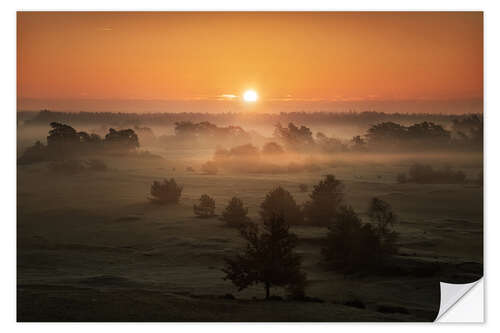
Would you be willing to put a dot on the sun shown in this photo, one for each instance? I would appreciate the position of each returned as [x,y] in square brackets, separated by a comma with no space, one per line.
[250,96]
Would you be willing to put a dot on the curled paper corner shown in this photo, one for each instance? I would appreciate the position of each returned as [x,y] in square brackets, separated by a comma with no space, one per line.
[461,303]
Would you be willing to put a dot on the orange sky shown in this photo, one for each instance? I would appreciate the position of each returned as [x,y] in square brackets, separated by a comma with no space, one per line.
[284,56]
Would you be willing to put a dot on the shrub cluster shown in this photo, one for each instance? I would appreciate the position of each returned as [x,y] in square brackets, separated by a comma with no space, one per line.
[426,174]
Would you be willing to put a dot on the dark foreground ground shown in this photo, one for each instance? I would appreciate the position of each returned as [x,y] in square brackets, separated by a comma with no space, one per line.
[90,247]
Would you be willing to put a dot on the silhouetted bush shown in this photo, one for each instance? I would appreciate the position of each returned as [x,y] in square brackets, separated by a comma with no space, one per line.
[268,257]
[209,168]
[280,201]
[235,214]
[34,154]
[426,174]
[206,207]
[325,199]
[165,192]
[350,244]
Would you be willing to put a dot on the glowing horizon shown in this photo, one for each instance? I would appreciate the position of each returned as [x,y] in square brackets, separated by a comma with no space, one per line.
[287,57]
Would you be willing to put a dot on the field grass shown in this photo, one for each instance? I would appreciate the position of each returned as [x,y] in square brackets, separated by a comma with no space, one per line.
[91,247]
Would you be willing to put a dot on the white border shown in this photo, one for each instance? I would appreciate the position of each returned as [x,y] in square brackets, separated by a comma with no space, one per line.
[8,140]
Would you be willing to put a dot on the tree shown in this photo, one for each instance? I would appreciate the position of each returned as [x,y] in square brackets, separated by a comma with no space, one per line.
[382,216]
[206,208]
[122,139]
[165,192]
[325,199]
[350,244]
[294,137]
[235,214]
[61,134]
[268,258]
[280,201]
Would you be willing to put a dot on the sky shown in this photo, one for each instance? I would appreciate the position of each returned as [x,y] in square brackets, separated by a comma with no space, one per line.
[178,61]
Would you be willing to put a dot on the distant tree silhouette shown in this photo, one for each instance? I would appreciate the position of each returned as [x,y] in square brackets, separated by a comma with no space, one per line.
[206,207]
[469,130]
[235,214]
[350,244]
[358,143]
[383,217]
[268,257]
[329,145]
[326,197]
[390,135]
[426,174]
[294,137]
[271,148]
[62,134]
[205,131]
[36,153]
[122,139]
[280,202]
[165,192]
[210,168]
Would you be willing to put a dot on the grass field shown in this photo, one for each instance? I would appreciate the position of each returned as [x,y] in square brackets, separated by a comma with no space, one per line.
[92,248]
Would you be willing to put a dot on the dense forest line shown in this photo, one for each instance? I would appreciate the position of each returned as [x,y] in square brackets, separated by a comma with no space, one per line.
[353,119]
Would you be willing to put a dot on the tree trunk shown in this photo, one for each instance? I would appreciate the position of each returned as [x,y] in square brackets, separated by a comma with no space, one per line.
[267,290]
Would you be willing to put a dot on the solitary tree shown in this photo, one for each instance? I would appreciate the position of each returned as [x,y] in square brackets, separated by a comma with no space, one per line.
[280,202]
[325,199]
[235,214]
[206,208]
[268,257]
[165,192]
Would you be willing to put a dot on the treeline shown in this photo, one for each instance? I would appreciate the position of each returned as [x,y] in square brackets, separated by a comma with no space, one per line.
[64,142]
[352,119]
[465,133]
